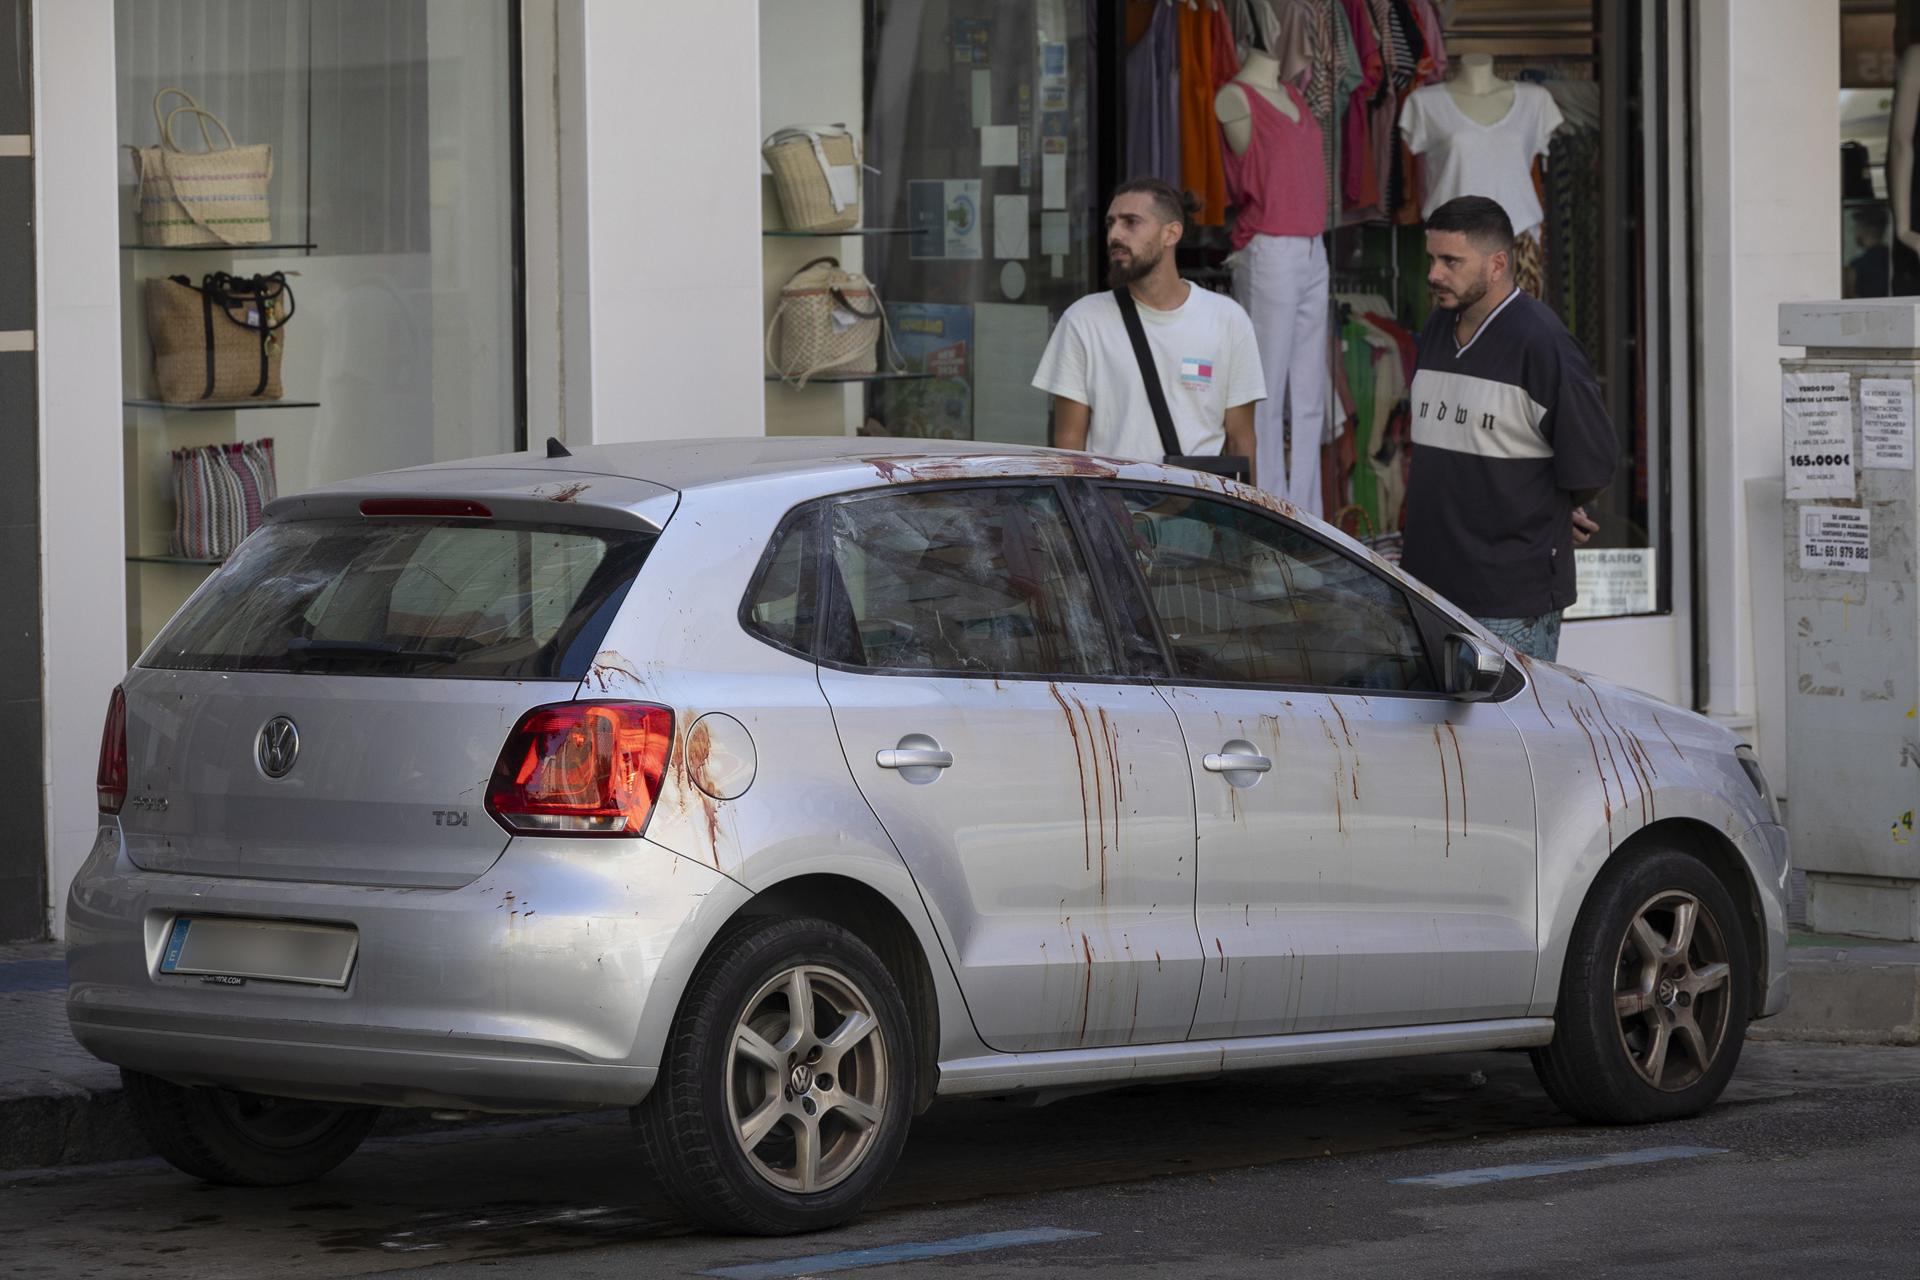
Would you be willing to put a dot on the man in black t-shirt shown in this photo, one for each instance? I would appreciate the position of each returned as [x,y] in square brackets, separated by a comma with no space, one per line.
[1510,437]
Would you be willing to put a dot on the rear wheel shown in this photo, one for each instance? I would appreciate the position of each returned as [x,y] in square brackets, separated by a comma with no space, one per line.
[1653,1003]
[786,1088]
[244,1139]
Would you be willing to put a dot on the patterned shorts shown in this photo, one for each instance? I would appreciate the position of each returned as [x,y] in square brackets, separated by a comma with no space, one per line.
[1536,637]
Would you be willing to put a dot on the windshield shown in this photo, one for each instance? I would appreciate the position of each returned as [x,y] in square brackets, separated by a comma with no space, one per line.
[453,598]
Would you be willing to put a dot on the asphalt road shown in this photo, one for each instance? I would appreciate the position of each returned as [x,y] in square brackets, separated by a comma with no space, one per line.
[1810,1167]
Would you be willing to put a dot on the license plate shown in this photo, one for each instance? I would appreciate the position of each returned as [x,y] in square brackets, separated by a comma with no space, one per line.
[271,950]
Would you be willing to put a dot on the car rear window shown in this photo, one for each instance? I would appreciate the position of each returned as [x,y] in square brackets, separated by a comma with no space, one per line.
[410,597]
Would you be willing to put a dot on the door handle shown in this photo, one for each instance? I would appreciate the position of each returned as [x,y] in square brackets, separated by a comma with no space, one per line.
[913,758]
[1234,762]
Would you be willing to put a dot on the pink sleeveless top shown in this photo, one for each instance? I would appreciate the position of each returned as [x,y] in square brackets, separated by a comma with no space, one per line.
[1280,184]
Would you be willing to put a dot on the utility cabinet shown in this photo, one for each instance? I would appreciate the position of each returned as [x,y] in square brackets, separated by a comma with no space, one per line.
[1852,612]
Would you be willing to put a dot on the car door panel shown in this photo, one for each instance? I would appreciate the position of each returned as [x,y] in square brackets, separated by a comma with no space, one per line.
[1380,870]
[1056,850]
[1046,813]
[1357,884]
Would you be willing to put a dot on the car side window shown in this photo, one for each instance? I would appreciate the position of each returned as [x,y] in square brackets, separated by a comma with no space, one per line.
[963,580]
[782,601]
[1245,597]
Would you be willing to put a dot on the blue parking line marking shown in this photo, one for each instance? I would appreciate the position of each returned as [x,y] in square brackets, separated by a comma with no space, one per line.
[814,1264]
[1507,1172]
[17,976]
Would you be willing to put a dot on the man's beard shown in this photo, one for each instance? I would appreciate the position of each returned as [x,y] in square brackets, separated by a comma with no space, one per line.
[1123,272]
[1471,294]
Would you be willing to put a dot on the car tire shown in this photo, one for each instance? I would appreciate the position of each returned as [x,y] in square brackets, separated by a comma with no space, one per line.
[1649,1022]
[244,1139]
[747,1090]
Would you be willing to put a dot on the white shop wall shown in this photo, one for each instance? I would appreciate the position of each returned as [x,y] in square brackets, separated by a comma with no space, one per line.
[1767,169]
[82,611]
[811,72]
[658,114]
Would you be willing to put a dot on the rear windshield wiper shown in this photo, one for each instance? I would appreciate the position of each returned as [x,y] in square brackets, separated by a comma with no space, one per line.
[304,647]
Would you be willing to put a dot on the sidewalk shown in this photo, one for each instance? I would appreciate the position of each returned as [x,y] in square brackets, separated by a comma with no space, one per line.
[60,1105]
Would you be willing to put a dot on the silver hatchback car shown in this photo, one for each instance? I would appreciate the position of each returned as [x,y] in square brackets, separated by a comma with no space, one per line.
[774,788]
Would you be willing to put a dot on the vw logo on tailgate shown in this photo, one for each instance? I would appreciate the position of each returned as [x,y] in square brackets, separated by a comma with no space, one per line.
[278,746]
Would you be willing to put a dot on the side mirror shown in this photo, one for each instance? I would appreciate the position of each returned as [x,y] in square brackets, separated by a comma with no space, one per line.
[1473,670]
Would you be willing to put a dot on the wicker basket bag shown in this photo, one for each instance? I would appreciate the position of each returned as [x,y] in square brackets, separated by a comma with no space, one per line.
[816,171]
[221,339]
[215,196]
[830,321]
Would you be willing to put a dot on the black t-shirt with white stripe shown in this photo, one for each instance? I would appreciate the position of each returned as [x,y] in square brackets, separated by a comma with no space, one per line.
[1505,430]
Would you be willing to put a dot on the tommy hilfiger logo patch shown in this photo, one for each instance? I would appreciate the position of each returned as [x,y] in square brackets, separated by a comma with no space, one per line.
[1196,371]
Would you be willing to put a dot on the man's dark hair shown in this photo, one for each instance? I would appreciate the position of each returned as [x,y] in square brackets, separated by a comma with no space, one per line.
[1484,223]
[1872,218]
[1171,203]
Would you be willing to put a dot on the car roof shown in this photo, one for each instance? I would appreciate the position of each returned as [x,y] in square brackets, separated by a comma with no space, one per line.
[645,474]
[694,464]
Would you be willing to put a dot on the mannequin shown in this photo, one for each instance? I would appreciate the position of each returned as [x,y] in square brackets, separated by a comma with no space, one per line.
[1477,135]
[1482,97]
[1259,74]
[1277,178]
[1900,157]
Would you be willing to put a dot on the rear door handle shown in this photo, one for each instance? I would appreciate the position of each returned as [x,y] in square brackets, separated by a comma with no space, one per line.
[913,758]
[1234,762]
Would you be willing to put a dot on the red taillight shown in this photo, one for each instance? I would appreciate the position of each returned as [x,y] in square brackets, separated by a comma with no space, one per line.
[111,779]
[582,768]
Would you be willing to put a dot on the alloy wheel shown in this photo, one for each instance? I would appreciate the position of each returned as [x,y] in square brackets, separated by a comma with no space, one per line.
[806,1078]
[1672,996]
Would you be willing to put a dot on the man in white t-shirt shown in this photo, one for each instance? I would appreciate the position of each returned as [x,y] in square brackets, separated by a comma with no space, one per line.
[1202,345]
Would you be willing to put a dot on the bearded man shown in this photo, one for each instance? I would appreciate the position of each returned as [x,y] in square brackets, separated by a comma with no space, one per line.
[1510,437]
[1201,342]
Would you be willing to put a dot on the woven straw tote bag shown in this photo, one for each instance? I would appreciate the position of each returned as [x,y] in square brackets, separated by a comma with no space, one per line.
[816,172]
[215,196]
[830,321]
[221,339]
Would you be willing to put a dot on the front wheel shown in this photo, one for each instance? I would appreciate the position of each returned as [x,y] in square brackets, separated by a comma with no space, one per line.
[1653,999]
[787,1083]
[244,1139]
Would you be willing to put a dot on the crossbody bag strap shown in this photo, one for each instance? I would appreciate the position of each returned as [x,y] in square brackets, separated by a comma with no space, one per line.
[1156,395]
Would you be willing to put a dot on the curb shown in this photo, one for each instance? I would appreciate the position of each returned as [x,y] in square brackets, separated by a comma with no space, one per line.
[74,1126]
[1849,991]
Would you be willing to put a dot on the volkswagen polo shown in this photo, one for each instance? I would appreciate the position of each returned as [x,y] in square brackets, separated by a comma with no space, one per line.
[776,788]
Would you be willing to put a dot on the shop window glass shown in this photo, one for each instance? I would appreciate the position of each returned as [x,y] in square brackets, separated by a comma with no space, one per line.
[384,137]
[977,117]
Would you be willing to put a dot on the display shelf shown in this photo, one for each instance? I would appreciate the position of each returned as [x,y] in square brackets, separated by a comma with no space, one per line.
[216,406]
[179,560]
[218,248]
[819,378]
[835,235]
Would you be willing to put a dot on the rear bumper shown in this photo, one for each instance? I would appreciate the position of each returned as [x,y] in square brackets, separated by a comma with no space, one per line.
[522,991]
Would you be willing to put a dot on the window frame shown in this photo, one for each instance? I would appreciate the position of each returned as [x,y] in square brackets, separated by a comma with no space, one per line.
[789,522]
[825,571]
[1424,618]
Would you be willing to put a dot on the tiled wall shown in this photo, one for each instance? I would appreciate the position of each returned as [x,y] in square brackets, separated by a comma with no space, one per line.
[23,852]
